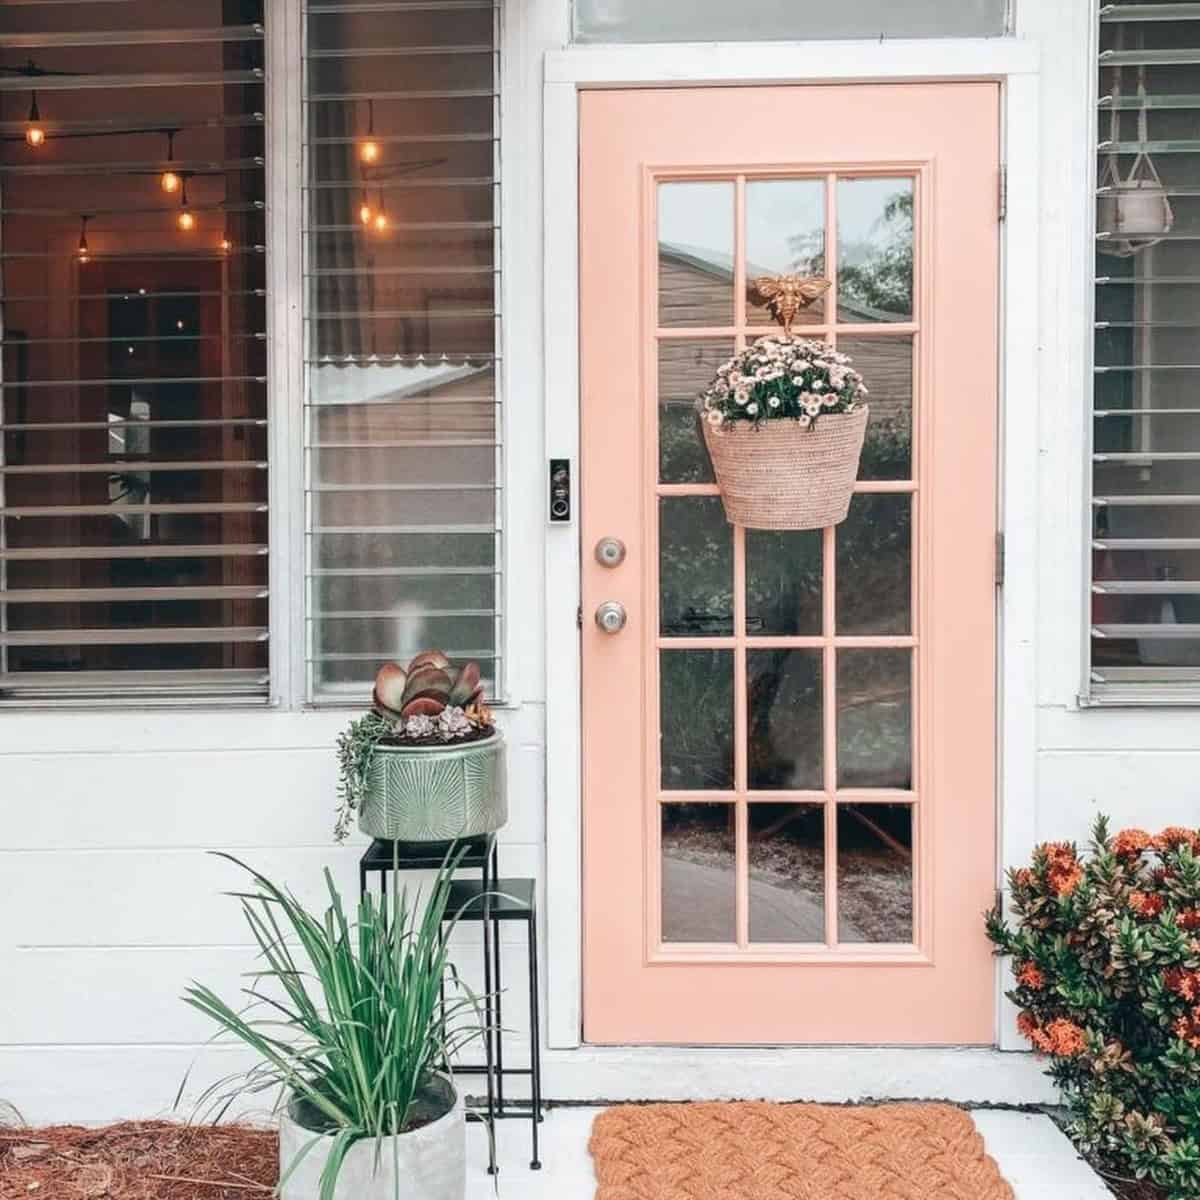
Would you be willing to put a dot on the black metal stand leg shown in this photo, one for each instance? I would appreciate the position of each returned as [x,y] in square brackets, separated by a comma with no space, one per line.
[499,1001]
[535,1036]
[489,1030]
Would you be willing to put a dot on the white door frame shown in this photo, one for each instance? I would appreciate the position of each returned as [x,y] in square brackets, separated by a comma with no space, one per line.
[1014,63]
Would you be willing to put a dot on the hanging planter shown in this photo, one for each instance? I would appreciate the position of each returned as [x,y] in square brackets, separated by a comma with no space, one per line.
[1133,211]
[784,423]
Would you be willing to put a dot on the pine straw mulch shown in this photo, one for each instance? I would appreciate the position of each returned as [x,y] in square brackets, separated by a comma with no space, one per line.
[138,1160]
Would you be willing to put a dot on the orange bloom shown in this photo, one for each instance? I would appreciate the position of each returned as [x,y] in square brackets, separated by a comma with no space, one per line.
[1175,835]
[1023,878]
[1130,843]
[1031,977]
[1146,904]
[1188,1028]
[1027,1024]
[1065,1038]
[1183,983]
[1063,872]
[1188,919]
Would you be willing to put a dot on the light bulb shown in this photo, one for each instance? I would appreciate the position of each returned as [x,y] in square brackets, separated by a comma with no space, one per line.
[84,254]
[170,181]
[35,134]
[369,151]
[381,222]
[365,213]
[185,220]
[226,245]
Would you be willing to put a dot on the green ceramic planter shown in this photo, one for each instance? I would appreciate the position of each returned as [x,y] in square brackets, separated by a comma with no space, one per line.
[435,793]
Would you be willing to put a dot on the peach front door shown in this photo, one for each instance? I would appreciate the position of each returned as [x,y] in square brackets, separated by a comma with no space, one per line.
[789,748]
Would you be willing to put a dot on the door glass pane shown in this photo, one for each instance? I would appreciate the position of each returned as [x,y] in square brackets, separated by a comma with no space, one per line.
[874,566]
[875,873]
[685,369]
[695,253]
[783,582]
[874,718]
[886,364]
[785,234]
[698,873]
[784,723]
[787,872]
[774,20]
[695,547]
[696,719]
[875,250]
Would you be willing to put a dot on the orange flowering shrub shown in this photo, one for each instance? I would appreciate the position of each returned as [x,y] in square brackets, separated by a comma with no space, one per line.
[1106,959]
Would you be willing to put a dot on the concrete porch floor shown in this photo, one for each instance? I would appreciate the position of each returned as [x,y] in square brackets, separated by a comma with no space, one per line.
[1031,1153]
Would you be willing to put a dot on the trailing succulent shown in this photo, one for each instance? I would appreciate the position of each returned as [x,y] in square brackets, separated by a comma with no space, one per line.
[1106,955]
[429,702]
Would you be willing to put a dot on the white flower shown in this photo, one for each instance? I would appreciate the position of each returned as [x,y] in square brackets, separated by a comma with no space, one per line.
[805,420]
[818,385]
[812,408]
[830,401]
[752,409]
[714,417]
[773,402]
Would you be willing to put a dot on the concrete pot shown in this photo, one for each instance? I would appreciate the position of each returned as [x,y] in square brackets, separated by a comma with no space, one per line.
[430,1163]
[435,793]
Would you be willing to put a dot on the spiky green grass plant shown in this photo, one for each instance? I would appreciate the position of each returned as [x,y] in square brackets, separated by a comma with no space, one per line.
[352,1027]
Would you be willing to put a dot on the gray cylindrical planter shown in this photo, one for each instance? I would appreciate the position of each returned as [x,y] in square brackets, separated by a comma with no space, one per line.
[430,1163]
[435,793]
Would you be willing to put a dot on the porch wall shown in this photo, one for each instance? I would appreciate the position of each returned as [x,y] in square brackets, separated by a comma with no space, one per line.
[109,904]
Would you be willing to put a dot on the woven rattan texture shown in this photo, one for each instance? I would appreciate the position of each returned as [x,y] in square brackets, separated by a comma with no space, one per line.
[782,476]
[757,1151]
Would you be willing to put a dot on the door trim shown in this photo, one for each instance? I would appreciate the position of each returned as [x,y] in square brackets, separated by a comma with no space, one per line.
[1014,64]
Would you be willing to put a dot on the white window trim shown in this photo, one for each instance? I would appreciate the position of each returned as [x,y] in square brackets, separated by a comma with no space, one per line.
[1014,62]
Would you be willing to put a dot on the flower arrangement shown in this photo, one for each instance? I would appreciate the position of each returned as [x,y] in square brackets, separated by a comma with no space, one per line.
[427,703]
[782,376]
[1106,957]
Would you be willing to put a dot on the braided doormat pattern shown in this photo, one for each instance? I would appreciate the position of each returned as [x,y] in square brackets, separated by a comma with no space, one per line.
[759,1151]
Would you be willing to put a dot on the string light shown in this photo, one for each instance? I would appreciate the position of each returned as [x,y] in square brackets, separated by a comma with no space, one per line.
[186,219]
[226,245]
[84,253]
[169,180]
[366,214]
[35,133]
[369,150]
[381,218]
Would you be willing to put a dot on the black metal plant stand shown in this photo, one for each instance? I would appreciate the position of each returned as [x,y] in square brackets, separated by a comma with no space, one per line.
[490,900]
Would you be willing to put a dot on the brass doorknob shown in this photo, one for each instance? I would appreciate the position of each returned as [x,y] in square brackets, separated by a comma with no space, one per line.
[611,616]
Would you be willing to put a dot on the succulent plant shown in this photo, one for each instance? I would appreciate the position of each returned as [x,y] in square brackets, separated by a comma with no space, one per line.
[426,687]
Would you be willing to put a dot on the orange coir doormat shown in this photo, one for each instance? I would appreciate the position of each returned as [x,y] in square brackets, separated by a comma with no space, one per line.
[758,1151]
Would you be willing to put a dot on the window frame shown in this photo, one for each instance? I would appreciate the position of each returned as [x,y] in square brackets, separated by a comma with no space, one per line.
[1094,694]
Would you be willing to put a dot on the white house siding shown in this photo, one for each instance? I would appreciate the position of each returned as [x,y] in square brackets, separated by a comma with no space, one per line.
[109,904]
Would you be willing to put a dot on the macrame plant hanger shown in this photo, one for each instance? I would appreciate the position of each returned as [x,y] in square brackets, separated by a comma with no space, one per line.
[1137,204]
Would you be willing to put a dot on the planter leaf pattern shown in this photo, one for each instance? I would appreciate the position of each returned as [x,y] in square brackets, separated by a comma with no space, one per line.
[435,794]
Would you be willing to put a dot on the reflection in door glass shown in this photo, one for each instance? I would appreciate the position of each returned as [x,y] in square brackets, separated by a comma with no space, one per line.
[695,253]
[874,566]
[787,872]
[875,873]
[696,719]
[886,364]
[783,582]
[874,718]
[785,235]
[875,250]
[784,724]
[695,555]
[685,369]
[698,873]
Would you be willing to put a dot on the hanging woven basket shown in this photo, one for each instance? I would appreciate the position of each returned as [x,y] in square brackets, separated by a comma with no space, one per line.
[782,475]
